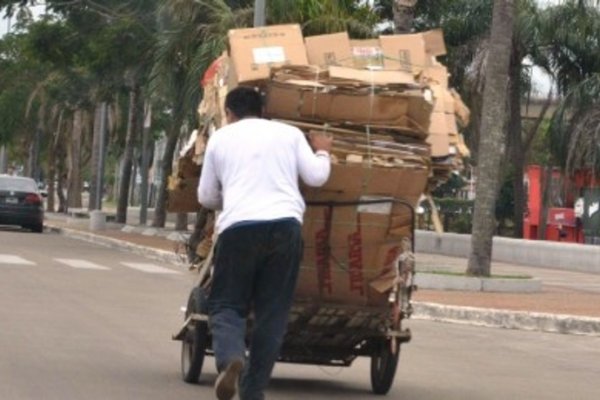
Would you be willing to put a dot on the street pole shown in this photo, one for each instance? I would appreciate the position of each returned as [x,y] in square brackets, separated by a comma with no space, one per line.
[260,12]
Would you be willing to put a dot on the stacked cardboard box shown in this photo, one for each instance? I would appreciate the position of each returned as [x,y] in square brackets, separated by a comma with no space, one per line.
[387,104]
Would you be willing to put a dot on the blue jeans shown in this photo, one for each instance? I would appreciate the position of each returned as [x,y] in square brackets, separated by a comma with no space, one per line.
[256,268]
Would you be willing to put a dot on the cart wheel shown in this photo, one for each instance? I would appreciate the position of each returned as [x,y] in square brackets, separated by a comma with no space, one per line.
[383,367]
[193,346]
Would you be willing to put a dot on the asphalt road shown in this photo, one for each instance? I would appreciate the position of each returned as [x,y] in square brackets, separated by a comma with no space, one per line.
[79,321]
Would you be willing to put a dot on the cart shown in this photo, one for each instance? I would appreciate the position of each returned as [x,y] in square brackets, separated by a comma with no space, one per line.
[321,333]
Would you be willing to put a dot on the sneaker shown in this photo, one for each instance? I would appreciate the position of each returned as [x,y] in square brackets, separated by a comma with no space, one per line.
[226,384]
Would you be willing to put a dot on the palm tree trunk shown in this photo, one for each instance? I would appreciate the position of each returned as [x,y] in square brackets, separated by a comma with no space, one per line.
[492,138]
[404,15]
[52,163]
[94,171]
[127,162]
[160,211]
[517,149]
[74,174]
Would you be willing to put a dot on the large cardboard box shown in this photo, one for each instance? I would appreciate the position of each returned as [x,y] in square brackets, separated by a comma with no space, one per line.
[405,52]
[413,52]
[367,53]
[351,250]
[298,102]
[332,49]
[254,51]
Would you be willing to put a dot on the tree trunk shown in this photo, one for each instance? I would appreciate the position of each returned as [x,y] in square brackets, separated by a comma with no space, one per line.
[52,163]
[517,149]
[74,174]
[492,138]
[160,211]
[94,171]
[404,15]
[127,162]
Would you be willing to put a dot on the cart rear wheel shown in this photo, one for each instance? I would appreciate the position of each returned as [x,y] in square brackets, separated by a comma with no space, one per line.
[193,345]
[383,367]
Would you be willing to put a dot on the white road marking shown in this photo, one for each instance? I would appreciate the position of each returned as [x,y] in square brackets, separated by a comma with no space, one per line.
[81,264]
[150,268]
[14,260]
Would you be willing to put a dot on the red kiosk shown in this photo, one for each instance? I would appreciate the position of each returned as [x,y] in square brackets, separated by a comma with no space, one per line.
[564,224]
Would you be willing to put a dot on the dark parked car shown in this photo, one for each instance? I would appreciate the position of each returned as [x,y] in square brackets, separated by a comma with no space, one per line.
[21,203]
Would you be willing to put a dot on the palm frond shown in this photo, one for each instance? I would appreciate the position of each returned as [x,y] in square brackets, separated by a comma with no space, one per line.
[573,135]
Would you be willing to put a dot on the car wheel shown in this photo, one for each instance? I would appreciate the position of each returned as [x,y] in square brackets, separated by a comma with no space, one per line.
[37,228]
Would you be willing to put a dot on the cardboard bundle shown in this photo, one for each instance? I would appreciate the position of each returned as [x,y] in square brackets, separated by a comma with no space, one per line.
[393,119]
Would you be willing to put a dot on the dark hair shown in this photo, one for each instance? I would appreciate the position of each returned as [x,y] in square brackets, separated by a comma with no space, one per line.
[244,102]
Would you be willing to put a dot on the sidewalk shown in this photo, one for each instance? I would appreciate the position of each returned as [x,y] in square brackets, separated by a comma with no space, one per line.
[568,303]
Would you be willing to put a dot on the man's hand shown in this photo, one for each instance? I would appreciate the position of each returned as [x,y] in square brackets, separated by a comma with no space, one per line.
[321,141]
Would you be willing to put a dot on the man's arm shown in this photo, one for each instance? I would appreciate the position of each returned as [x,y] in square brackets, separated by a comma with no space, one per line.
[209,187]
[314,167]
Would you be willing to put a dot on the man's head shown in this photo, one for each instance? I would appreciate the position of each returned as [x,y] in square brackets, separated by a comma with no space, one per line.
[243,102]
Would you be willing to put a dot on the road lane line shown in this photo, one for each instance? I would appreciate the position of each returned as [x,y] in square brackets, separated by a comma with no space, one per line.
[149,268]
[14,260]
[81,264]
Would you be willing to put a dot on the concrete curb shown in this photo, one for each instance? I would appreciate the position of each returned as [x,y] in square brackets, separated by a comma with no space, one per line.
[508,319]
[427,280]
[566,324]
[156,254]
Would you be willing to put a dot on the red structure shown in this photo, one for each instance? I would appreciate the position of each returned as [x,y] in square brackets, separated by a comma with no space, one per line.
[562,223]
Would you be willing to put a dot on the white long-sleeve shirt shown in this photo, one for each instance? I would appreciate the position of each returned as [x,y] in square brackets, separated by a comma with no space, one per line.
[251,170]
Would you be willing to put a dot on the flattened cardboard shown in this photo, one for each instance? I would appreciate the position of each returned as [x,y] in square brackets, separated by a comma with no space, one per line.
[373,77]
[181,195]
[438,135]
[460,109]
[437,74]
[254,51]
[405,52]
[434,42]
[332,49]
[300,103]
[345,253]
[367,53]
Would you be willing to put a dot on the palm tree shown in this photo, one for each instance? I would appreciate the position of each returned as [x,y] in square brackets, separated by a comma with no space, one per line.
[493,137]
[574,54]
[404,15]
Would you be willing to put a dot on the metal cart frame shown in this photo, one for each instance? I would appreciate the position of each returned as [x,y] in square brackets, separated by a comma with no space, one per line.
[378,336]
